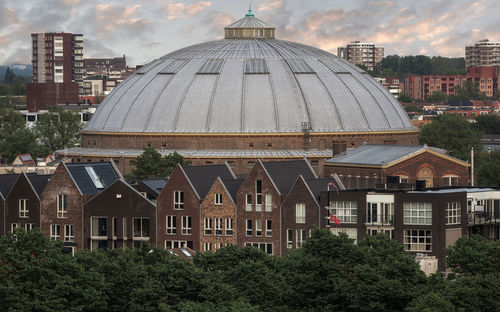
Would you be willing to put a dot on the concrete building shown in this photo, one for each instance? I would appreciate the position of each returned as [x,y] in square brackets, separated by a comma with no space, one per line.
[246,97]
[361,53]
[483,53]
[112,68]
[57,70]
[420,87]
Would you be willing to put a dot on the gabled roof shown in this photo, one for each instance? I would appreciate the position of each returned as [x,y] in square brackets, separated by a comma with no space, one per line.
[285,173]
[25,159]
[202,177]
[121,181]
[154,185]
[318,185]
[386,155]
[233,186]
[105,173]
[39,182]
[7,181]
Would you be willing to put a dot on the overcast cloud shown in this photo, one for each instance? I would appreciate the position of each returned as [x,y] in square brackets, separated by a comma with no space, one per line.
[144,30]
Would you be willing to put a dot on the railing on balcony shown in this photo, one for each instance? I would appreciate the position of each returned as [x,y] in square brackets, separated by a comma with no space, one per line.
[477,218]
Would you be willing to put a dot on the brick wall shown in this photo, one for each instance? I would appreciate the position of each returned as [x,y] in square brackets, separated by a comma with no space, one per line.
[22,190]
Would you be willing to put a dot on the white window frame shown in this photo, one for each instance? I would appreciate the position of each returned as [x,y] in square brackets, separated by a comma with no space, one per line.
[258,227]
[62,208]
[171,225]
[418,240]
[301,236]
[262,246]
[207,226]
[351,232]
[218,227]
[248,202]
[448,179]
[258,196]
[186,227]
[345,211]
[453,213]
[207,246]
[29,226]
[98,237]
[218,199]
[179,243]
[55,232]
[269,228]
[289,238]
[23,208]
[417,213]
[178,200]
[269,202]
[14,226]
[300,213]
[229,226]
[125,225]
[69,233]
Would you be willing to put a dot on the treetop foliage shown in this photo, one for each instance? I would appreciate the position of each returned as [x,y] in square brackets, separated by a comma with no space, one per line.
[402,66]
[329,273]
[151,164]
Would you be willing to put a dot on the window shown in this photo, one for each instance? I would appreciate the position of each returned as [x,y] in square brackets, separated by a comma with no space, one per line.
[269,202]
[453,213]
[269,228]
[14,226]
[289,239]
[403,179]
[301,237]
[380,213]
[61,206]
[29,226]
[69,233]
[229,227]
[141,228]
[55,232]
[218,226]
[418,240]
[248,206]
[186,225]
[125,226]
[300,213]
[418,213]
[178,200]
[249,227]
[258,195]
[265,247]
[218,199]
[346,212]
[99,227]
[175,244]
[351,232]
[450,180]
[207,247]
[114,227]
[208,226]
[23,208]
[258,227]
[171,225]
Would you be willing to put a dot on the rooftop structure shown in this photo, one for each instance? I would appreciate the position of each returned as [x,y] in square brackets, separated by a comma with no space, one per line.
[483,53]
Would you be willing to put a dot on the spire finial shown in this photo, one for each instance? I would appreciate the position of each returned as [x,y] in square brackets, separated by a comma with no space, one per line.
[250,14]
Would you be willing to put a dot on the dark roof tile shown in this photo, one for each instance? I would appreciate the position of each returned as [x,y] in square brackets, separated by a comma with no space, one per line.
[39,181]
[104,171]
[7,181]
[202,177]
[285,173]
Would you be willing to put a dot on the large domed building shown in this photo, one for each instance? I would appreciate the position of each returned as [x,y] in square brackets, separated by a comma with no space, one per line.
[246,97]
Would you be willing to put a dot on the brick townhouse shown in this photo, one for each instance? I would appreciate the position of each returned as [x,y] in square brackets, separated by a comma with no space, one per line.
[6,183]
[22,204]
[69,188]
[259,201]
[179,204]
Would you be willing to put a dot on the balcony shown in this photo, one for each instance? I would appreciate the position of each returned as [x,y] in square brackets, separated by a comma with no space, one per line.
[478,218]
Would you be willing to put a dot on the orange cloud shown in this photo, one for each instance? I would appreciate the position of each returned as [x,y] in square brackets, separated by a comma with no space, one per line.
[179,10]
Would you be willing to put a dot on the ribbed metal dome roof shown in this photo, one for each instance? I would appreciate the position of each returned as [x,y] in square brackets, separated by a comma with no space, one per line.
[249,86]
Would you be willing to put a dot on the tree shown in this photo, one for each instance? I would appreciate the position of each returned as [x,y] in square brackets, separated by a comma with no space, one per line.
[437,97]
[58,129]
[487,124]
[453,133]
[15,137]
[466,92]
[413,108]
[487,168]
[404,98]
[474,255]
[151,164]
[9,76]
[431,302]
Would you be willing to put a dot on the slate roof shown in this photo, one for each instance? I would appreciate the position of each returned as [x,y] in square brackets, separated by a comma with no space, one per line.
[318,185]
[7,181]
[104,171]
[285,173]
[233,186]
[154,185]
[39,181]
[382,155]
[202,177]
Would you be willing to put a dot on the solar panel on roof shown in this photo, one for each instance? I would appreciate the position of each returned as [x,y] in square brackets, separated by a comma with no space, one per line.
[185,252]
[299,66]
[26,158]
[211,66]
[333,66]
[97,181]
[173,67]
[256,66]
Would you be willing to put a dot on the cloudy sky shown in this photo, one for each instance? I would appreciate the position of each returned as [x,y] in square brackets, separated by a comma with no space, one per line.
[146,29]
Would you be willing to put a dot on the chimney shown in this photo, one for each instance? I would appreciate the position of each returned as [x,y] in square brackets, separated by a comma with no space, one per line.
[339,147]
